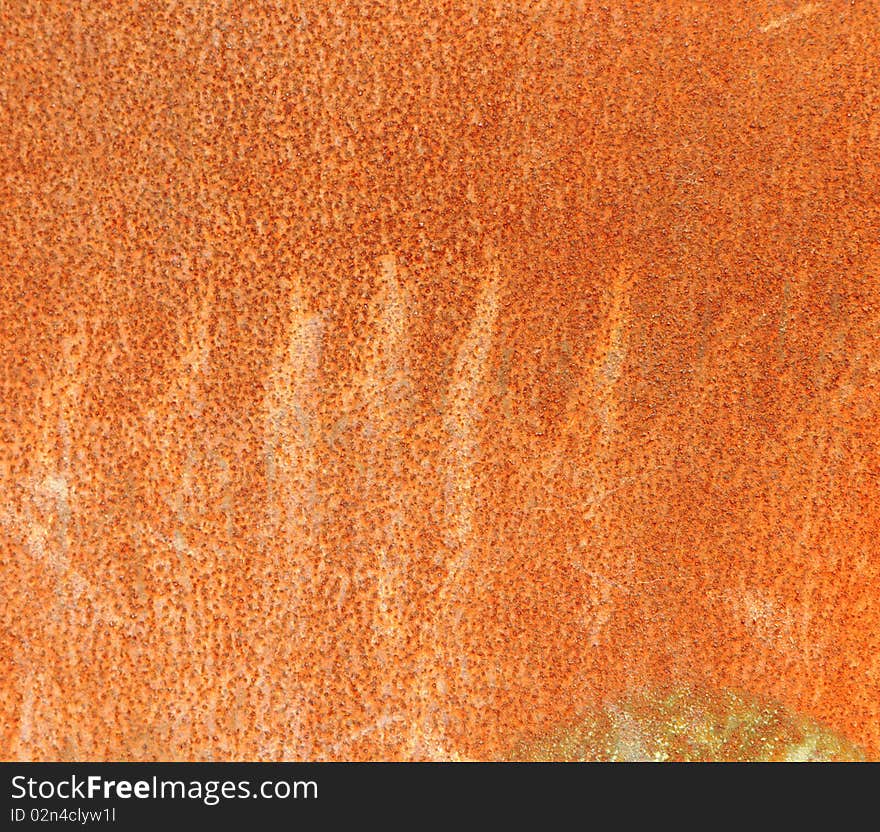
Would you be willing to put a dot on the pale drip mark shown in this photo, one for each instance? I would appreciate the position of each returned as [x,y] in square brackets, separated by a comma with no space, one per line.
[460,431]
[44,522]
[461,405]
[292,429]
[293,421]
[800,13]
[592,413]
[383,391]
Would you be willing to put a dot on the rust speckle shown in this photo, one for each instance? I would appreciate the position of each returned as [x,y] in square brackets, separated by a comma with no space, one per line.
[392,381]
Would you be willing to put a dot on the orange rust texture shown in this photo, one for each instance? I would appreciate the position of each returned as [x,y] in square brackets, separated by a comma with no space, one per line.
[387,380]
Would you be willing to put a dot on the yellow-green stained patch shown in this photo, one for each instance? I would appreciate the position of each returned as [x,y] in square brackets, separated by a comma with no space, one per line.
[689,727]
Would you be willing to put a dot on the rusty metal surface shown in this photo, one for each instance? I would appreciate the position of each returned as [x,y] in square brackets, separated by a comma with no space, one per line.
[388,380]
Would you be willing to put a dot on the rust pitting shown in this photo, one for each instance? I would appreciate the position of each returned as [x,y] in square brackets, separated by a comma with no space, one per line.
[386,383]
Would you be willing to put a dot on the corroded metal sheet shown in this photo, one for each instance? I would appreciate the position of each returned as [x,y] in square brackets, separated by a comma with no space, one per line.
[391,380]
